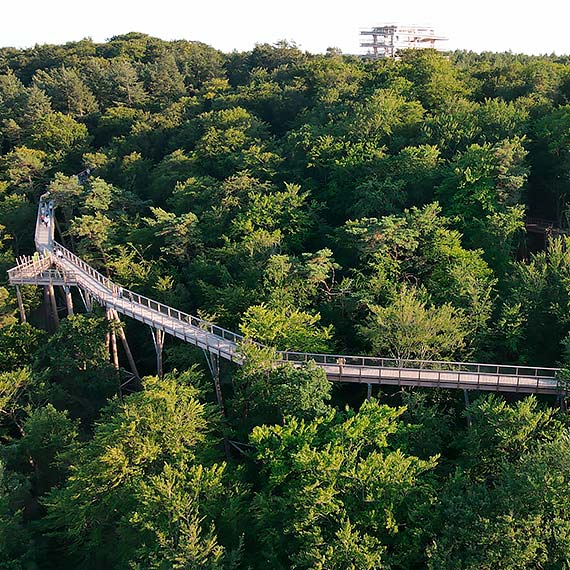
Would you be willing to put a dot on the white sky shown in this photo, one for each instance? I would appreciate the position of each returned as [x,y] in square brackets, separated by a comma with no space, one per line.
[494,25]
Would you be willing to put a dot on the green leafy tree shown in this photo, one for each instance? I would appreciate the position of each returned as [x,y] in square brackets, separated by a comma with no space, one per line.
[67,91]
[266,391]
[13,396]
[286,329]
[24,169]
[47,433]
[335,494]
[506,492]
[226,136]
[400,181]
[18,550]
[484,180]
[165,82]
[18,345]
[412,328]
[179,234]
[115,82]
[536,306]
[59,135]
[74,364]
[418,248]
[149,464]
[433,77]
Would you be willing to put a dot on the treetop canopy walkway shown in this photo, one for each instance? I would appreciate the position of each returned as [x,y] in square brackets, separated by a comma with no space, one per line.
[54,265]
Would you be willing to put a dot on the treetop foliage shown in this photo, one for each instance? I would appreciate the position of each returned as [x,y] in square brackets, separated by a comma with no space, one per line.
[319,203]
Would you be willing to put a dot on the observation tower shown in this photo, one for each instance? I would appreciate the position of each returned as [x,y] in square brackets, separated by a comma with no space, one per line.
[385,40]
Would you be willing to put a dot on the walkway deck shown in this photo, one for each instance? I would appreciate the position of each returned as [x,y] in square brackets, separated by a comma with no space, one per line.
[59,266]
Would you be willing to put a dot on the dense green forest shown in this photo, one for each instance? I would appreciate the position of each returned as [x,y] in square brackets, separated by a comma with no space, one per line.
[321,203]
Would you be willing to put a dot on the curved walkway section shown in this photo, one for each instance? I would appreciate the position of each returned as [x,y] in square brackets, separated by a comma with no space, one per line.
[54,264]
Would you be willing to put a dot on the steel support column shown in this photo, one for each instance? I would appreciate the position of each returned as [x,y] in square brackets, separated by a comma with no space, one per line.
[466,398]
[53,303]
[68,299]
[213,361]
[158,339]
[20,304]
[113,338]
[126,347]
[88,300]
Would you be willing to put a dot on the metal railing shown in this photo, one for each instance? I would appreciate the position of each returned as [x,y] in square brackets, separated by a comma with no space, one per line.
[30,265]
[62,252]
[444,374]
[411,364]
[54,276]
[542,225]
[45,208]
[363,367]
[117,296]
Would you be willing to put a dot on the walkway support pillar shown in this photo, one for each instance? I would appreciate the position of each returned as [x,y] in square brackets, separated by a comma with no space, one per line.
[46,305]
[53,303]
[68,300]
[114,350]
[113,339]
[158,338]
[466,398]
[369,392]
[20,304]
[126,347]
[213,361]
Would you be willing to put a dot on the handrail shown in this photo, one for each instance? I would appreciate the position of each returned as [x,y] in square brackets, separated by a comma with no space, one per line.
[151,304]
[414,364]
[542,225]
[47,274]
[325,359]
[29,263]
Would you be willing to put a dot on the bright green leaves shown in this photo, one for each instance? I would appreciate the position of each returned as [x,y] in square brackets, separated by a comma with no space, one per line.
[266,392]
[485,180]
[408,328]
[286,215]
[146,483]
[507,492]
[419,275]
[286,328]
[59,135]
[335,490]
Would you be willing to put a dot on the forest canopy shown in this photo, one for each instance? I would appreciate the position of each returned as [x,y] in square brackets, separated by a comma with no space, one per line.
[312,202]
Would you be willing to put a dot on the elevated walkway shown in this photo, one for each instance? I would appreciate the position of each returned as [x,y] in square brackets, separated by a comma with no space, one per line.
[55,265]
